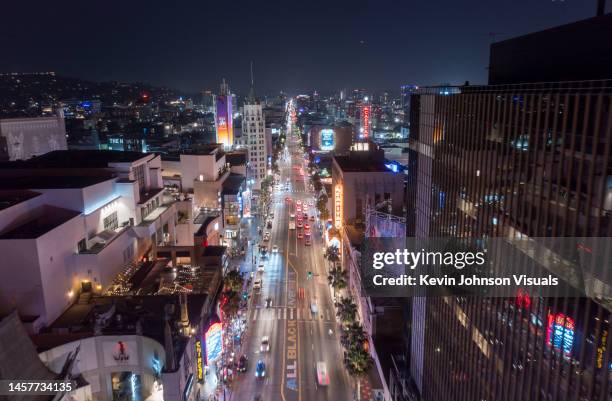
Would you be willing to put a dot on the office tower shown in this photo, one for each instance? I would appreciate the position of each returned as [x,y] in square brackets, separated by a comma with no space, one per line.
[254,129]
[406,92]
[515,160]
[224,125]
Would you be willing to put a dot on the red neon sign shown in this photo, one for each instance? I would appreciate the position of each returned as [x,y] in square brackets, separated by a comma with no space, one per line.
[365,121]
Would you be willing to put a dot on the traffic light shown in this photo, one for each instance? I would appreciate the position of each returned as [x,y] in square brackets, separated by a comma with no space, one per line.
[245,295]
[309,275]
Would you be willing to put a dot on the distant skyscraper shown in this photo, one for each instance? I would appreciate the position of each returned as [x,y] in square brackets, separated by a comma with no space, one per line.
[208,100]
[254,130]
[406,92]
[223,117]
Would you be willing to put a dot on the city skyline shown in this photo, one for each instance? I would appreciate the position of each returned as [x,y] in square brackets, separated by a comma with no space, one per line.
[323,52]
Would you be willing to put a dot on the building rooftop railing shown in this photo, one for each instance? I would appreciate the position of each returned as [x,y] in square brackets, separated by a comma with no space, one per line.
[603,86]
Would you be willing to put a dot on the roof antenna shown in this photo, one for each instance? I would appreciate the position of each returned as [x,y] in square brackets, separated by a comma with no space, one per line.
[252,81]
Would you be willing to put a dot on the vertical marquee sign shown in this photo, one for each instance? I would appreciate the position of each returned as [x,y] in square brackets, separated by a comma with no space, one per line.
[199,362]
[338,206]
[365,121]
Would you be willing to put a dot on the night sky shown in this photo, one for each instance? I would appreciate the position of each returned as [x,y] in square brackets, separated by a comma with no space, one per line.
[296,46]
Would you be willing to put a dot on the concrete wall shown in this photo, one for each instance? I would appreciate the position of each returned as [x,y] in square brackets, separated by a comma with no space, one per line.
[21,284]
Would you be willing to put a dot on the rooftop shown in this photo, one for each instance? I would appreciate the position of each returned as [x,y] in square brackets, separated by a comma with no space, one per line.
[134,315]
[52,181]
[236,158]
[214,250]
[49,217]
[10,198]
[364,164]
[76,159]
[204,219]
[233,183]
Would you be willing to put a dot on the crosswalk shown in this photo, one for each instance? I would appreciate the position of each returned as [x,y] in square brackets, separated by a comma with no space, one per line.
[285,313]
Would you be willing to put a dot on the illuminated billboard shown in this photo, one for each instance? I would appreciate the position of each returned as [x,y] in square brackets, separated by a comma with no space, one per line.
[214,342]
[560,332]
[327,139]
[338,206]
[223,121]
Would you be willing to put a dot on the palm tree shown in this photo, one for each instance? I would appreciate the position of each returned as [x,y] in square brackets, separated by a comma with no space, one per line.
[322,207]
[332,254]
[358,362]
[352,335]
[337,279]
[230,303]
[347,311]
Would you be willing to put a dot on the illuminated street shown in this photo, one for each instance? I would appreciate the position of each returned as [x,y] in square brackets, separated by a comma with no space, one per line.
[298,338]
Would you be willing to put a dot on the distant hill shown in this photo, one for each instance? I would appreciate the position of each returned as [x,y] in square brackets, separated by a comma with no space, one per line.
[27,94]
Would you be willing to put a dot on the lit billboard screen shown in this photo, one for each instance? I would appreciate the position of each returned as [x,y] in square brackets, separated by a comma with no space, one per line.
[214,344]
[223,121]
[327,139]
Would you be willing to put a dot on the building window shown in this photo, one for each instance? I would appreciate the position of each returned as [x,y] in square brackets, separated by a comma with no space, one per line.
[111,222]
[139,175]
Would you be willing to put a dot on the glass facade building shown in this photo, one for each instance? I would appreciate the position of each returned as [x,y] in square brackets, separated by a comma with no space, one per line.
[514,161]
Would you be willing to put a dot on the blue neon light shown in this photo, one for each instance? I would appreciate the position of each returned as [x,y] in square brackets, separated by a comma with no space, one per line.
[98,205]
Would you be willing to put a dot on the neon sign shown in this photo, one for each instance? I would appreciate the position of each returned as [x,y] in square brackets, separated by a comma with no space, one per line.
[200,369]
[338,205]
[601,350]
[560,332]
[365,121]
[214,343]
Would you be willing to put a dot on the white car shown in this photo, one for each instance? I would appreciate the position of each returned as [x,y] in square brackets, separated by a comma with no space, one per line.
[261,267]
[292,215]
[265,344]
[275,249]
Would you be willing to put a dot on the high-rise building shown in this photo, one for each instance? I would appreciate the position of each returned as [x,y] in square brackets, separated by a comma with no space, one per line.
[519,160]
[224,126]
[406,92]
[254,130]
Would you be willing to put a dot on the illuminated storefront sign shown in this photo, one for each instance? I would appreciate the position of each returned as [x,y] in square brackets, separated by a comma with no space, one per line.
[214,343]
[199,362]
[365,121]
[560,332]
[327,139]
[338,205]
[601,350]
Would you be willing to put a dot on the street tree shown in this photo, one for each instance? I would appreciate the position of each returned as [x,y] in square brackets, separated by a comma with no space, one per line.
[337,278]
[347,311]
[233,281]
[322,207]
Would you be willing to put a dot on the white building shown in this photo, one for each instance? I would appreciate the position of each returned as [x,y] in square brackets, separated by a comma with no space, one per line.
[70,221]
[23,138]
[254,131]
